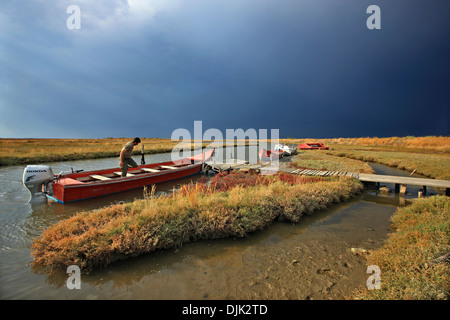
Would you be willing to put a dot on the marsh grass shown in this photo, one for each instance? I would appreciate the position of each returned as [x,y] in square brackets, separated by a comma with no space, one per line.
[320,160]
[32,151]
[422,233]
[29,151]
[202,211]
[409,143]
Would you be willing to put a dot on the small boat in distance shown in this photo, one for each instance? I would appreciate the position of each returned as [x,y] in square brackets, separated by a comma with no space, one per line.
[40,180]
[287,150]
[312,146]
[265,154]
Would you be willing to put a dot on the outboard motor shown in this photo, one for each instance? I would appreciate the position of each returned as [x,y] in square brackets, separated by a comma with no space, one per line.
[37,179]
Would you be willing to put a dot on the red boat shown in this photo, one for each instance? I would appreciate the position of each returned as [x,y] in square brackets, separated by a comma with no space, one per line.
[312,146]
[265,154]
[90,184]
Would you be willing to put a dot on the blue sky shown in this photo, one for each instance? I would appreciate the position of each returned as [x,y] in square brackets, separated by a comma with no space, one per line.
[310,68]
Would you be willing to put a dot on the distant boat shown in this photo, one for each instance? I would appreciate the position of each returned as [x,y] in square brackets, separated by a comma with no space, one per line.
[265,154]
[77,186]
[312,146]
[287,150]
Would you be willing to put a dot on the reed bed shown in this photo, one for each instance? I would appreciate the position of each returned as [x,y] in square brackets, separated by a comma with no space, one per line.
[320,160]
[33,151]
[409,269]
[428,143]
[29,151]
[231,206]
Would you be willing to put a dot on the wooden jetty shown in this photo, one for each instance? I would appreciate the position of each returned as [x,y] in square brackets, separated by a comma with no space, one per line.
[399,182]
[402,182]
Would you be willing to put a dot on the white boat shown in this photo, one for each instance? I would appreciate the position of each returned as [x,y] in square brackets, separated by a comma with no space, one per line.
[287,150]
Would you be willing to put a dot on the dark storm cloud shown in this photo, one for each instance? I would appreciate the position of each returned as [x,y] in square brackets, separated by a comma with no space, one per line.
[308,68]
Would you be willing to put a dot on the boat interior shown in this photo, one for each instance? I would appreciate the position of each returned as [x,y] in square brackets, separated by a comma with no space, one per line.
[133,172]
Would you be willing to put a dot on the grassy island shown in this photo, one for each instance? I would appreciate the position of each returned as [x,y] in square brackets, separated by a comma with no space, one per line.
[233,205]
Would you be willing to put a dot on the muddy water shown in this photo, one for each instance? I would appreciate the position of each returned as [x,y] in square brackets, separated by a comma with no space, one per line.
[307,260]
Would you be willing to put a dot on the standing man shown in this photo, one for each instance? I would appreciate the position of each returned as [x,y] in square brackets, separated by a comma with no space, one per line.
[125,156]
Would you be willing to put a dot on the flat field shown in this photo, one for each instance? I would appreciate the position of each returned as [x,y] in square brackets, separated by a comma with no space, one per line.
[30,151]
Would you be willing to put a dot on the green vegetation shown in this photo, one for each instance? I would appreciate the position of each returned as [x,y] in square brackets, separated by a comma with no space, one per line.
[429,144]
[406,260]
[233,206]
[29,151]
[314,159]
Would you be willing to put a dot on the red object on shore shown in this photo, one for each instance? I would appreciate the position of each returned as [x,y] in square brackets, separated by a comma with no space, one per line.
[312,146]
[92,184]
[265,154]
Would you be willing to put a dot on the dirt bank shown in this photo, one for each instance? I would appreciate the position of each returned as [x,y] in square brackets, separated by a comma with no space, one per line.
[308,260]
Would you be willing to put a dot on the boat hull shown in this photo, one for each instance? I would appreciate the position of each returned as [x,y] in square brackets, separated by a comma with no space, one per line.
[287,150]
[265,154]
[312,146]
[71,187]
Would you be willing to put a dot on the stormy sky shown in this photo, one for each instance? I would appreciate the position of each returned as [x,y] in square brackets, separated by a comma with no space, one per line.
[310,68]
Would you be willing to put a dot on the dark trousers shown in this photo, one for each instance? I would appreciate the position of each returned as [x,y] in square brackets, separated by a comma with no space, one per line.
[127,162]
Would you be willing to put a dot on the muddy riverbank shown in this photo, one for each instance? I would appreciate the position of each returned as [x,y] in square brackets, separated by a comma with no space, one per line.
[311,260]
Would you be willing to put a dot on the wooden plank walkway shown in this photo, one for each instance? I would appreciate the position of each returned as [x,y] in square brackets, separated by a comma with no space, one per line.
[376,178]
[323,173]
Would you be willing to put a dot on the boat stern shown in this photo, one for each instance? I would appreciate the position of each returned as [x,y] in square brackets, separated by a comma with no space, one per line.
[38,179]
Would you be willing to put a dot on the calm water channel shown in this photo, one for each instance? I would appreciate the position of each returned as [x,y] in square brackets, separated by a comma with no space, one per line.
[308,260]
